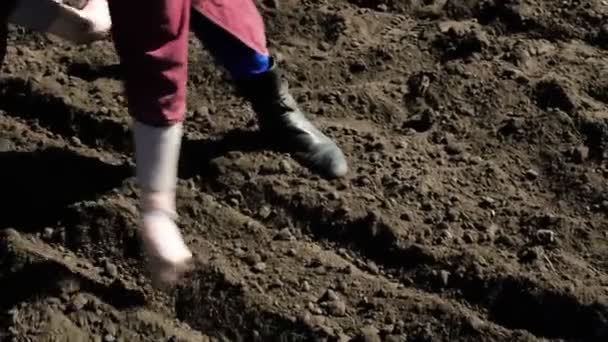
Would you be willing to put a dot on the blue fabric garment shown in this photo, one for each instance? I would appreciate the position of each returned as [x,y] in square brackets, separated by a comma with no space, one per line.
[239,60]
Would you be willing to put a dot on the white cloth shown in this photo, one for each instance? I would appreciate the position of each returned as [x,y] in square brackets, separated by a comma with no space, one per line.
[91,23]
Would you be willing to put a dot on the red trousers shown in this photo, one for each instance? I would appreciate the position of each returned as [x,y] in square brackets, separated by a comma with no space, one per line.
[151,39]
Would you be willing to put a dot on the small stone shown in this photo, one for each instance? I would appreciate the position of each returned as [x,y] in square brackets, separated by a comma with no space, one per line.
[265,211]
[285,235]
[492,230]
[75,141]
[372,267]
[369,334]
[78,302]
[109,338]
[47,234]
[443,226]
[330,295]
[285,166]
[202,111]
[454,148]
[305,286]
[488,202]
[343,286]
[580,154]
[337,308]
[253,259]
[111,269]
[343,338]
[452,215]
[531,174]
[314,309]
[317,320]
[545,236]
[444,276]
[259,267]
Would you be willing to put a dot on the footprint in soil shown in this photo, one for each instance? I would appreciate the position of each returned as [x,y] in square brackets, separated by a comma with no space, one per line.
[37,186]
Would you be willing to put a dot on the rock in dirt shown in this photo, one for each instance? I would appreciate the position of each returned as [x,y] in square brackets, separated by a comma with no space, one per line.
[372,267]
[260,267]
[580,154]
[337,308]
[444,277]
[306,286]
[111,269]
[368,334]
[48,233]
[78,302]
[531,174]
[285,235]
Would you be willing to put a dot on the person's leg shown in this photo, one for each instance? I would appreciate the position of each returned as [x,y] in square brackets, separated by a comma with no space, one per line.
[151,39]
[238,59]
[259,80]
[76,25]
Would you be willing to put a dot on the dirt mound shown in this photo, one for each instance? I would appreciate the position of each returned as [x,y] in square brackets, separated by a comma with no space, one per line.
[475,210]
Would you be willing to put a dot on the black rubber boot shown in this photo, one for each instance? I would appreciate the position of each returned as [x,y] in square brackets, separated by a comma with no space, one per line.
[281,119]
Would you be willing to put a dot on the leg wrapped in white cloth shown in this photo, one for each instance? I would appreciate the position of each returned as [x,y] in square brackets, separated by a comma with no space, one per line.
[80,26]
[157,154]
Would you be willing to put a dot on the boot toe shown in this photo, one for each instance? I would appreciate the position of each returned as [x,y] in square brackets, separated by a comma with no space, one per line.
[329,161]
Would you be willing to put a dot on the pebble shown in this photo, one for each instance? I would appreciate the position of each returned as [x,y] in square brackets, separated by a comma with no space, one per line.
[285,166]
[306,286]
[285,235]
[531,174]
[265,211]
[444,276]
[452,215]
[580,153]
[337,308]
[492,230]
[330,295]
[47,234]
[111,269]
[259,267]
[317,320]
[454,148]
[314,309]
[372,267]
[253,259]
[79,302]
[369,334]
[109,338]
